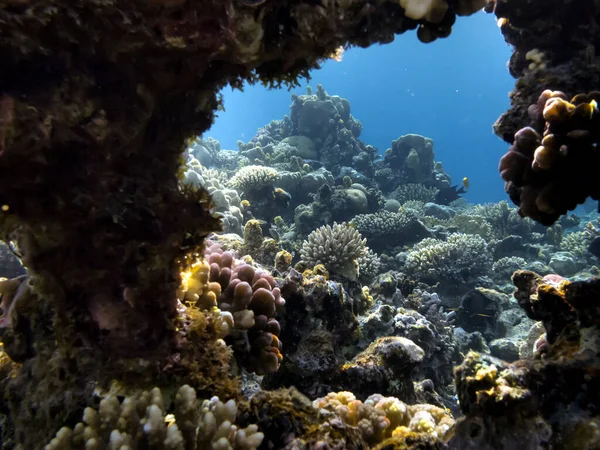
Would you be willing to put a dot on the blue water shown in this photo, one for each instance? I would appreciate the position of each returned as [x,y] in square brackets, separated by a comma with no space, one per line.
[451,90]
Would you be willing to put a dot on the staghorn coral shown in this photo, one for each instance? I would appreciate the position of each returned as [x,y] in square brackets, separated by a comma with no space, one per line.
[458,259]
[550,168]
[386,420]
[145,420]
[337,247]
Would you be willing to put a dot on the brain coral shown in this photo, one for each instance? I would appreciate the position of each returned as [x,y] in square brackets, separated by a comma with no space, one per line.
[337,247]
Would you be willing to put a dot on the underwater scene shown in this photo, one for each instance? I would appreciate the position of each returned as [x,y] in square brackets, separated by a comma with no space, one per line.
[299,224]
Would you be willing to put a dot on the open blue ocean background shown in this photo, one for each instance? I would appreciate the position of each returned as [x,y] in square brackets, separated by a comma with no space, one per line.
[451,90]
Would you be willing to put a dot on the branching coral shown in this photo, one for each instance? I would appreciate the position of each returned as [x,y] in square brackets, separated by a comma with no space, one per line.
[337,247]
[457,259]
[414,192]
[146,421]
[227,201]
[368,266]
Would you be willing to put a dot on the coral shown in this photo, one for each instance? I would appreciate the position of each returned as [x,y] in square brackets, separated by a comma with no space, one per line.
[414,192]
[385,366]
[145,421]
[283,261]
[337,247]
[549,169]
[385,229]
[226,200]
[382,418]
[547,401]
[458,259]
[248,299]
[503,219]
[576,243]
[254,178]
[504,267]
[368,266]
[319,322]
[411,156]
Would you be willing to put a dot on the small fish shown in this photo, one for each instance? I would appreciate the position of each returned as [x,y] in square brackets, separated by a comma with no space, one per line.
[594,247]
[594,108]
[466,183]
[483,315]
[282,198]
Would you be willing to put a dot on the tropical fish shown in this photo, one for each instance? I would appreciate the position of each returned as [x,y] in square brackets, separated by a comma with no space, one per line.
[466,183]
[449,194]
[594,247]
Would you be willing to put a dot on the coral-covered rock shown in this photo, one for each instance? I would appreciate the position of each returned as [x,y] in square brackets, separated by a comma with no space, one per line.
[386,367]
[545,401]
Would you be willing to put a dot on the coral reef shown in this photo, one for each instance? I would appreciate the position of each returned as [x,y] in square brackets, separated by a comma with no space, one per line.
[563,171]
[529,404]
[141,274]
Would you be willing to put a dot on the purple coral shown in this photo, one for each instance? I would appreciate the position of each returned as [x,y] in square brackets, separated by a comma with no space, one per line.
[252,297]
